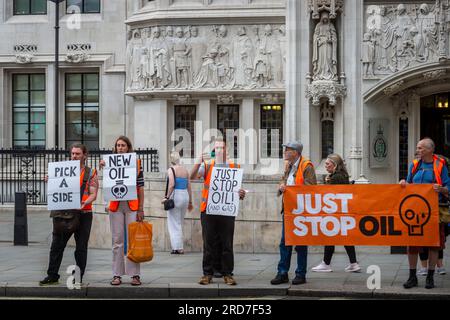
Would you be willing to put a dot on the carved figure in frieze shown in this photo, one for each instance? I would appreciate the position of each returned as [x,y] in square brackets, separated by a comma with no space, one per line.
[223,45]
[159,69]
[403,26]
[181,55]
[244,54]
[198,46]
[267,58]
[427,27]
[134,54]
[208,76]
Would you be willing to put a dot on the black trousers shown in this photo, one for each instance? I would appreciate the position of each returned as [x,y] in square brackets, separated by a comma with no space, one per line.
[59,243]
[329,250]
[217,233]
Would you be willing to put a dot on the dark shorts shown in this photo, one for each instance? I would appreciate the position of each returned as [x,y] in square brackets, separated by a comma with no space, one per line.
[442,236]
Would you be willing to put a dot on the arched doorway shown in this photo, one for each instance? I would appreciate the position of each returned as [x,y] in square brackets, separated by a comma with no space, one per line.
[435,121]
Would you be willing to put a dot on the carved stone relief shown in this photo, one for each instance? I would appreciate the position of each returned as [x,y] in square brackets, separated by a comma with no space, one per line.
[24,54]
[78,53]
[226,57]
[404,35]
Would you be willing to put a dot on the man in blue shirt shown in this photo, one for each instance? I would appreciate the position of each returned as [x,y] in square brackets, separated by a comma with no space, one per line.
[427,168]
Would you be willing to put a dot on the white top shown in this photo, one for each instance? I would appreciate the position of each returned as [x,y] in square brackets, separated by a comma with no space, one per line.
[291,179]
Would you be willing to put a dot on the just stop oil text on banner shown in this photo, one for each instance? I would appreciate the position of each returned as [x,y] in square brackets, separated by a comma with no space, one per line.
[375,215]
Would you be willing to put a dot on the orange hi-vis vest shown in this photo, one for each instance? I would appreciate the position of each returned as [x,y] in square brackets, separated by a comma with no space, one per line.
[299,179]
[132,204]
[205,190]
[85,194]
[438,164]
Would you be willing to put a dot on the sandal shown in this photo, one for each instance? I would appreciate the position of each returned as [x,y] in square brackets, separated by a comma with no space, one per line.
[136,281]
[116,281]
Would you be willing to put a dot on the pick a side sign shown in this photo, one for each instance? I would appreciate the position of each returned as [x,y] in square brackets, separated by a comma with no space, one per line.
[223,195]
[374,215]
[63,192]
[119,177]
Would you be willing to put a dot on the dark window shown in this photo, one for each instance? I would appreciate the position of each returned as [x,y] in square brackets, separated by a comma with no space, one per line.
[271,131]
[227,124]
[29,111]
[82,109]
[327,138]
[84,6]
[185,119]
[29,7]
[403,148]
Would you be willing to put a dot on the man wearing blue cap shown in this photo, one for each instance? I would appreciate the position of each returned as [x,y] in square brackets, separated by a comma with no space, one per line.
[298,171]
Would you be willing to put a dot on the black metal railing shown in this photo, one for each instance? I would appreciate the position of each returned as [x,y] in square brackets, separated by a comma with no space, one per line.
[24,170]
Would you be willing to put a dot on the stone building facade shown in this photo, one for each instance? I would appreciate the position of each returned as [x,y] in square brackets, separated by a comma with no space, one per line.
[365,79]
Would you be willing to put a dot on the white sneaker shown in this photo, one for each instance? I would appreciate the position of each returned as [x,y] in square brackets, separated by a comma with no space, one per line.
[441,270]
[422,272]
[353,267]
[322,267]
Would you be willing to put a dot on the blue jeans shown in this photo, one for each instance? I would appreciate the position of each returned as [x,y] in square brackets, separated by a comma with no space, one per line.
[285,257]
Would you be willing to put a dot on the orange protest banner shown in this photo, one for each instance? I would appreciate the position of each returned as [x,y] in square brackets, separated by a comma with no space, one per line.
[375,215]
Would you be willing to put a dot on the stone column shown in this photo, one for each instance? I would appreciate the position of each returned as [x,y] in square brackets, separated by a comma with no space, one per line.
[414,123]
[350,42]
[297,112]
[202,126]
[150,128]
[248,142]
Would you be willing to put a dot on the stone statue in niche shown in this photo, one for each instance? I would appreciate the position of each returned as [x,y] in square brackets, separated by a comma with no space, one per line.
[198,50]
[368,56]
[134,54]
[159,61]
[325,50]
[244,54]
[181,55]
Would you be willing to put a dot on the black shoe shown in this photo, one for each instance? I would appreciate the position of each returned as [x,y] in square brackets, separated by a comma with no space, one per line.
[48,281]
[411,282]
[429,283]
[280,278]
[299,280]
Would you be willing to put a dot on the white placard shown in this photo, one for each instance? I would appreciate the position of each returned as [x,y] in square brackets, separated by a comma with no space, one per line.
[63,191]
[223,196]
[119,177]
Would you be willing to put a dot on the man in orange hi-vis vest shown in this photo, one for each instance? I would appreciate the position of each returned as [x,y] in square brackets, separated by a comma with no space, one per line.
[216,230]
[89,190]
[299,171]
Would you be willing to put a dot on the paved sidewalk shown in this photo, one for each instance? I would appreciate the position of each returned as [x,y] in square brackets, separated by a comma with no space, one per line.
[176,276]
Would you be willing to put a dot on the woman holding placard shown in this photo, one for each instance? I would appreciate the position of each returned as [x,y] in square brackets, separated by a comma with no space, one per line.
[179,189]
[337,174]
[121,214]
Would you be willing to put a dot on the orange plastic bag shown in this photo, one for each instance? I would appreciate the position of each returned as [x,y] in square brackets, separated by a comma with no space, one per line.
[140,248]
